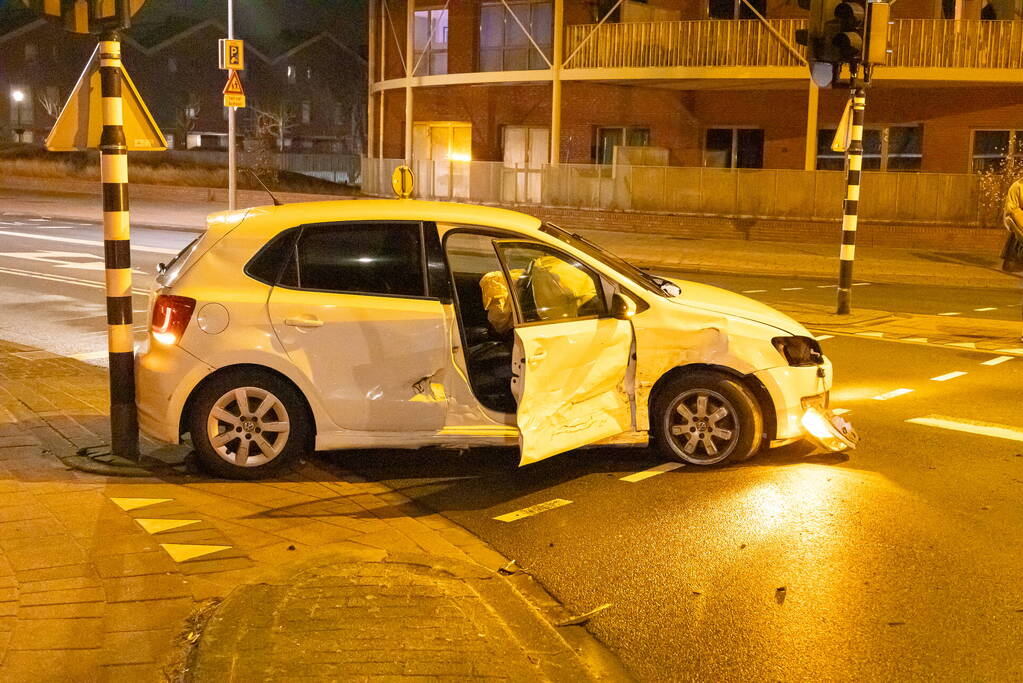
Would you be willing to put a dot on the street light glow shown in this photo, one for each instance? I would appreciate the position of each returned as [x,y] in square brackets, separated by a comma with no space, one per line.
[17,96]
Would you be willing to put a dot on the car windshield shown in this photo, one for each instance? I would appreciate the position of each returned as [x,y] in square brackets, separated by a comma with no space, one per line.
[658,285]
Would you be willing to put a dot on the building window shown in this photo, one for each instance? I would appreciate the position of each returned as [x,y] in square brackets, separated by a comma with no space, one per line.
[307,111]
[309,73]
[31,52]
[292,75]
[609,138]
[431,42]
[896,148]
[735,9]
[734,148]
[172,65]
[503,44]
[995,149]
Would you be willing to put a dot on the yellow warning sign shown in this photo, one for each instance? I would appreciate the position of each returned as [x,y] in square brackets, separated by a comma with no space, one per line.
[843,135]
[234,94]
[80,123]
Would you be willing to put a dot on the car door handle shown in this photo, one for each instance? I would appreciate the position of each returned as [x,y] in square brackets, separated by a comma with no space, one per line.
[303,322]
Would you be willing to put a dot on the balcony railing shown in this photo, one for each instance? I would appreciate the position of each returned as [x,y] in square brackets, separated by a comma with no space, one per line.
[923,43]
[683,43]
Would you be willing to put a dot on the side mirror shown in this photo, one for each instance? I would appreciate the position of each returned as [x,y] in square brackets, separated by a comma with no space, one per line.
[622,307]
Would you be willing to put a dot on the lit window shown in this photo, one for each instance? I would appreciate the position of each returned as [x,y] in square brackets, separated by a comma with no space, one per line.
[307,112]
[292,76]
[734,148]
[503,44]
[431,42]
[309,73]
[995,149]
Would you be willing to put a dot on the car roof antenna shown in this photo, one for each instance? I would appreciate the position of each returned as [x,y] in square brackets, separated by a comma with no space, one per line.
[258,180]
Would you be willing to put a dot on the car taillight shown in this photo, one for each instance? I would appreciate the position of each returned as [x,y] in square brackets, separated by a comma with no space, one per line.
[170,317]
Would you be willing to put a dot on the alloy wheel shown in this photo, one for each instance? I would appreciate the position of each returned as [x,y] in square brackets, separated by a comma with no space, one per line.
[248,426]
[703,426]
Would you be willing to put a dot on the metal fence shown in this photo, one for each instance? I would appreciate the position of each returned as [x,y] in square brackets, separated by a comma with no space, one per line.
[940,43]
[337,168]
[749,193]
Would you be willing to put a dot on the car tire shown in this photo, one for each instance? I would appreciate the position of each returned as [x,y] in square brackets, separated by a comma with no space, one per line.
[706,418]
[249,424]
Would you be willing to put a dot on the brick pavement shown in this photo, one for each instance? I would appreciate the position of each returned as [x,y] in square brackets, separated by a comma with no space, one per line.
[101,575]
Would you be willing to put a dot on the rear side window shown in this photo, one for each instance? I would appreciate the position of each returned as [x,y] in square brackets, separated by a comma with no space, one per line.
[360,258]
[266,265]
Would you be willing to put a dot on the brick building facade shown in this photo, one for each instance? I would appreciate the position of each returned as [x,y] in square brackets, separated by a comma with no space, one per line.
[702,81]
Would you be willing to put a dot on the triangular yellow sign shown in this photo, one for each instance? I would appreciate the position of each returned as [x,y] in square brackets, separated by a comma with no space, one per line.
[234,85]
[843,134]
[80,123]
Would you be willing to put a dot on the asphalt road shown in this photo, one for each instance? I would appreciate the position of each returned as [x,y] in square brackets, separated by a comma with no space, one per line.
[901,560]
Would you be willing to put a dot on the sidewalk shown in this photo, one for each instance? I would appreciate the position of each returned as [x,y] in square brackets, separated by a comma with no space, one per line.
[873,264]
[171,575]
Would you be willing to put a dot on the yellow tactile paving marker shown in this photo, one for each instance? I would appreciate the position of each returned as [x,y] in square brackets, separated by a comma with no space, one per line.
[156,526]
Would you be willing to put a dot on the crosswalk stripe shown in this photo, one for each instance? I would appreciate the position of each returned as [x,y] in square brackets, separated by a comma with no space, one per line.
[533,510]
[997,361]
[652,472]
[947,376]
[970,427]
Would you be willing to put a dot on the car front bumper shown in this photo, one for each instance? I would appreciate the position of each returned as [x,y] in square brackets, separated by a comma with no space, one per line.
[792,390]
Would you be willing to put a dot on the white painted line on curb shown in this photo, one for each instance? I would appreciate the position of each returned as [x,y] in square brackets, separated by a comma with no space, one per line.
[533,510]
[790,289]
[822,337]
[997,361]
[916,340]
[947,376]
[893,394]
[1015,351]
[652,472]
[952,313]
[753,291]
[986,308]
[860,284]
[963,345]
[826,286]
[876,335]
[970,427]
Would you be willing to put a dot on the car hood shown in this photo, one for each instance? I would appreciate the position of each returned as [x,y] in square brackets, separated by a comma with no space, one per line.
[717,300]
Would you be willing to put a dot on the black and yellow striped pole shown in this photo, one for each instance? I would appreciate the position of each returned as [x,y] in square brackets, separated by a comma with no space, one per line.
[850,208]
[124,433]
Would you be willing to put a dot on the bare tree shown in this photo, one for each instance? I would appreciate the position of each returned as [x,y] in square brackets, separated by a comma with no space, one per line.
[275,119]
[187,116]
[51,103]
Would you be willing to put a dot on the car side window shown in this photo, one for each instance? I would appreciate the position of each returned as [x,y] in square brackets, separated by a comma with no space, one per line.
[358,258]
[549,285]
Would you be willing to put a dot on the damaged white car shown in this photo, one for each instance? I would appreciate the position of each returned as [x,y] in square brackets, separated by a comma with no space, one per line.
[403,324]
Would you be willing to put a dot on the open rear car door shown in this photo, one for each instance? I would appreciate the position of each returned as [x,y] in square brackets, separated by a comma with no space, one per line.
[570,359]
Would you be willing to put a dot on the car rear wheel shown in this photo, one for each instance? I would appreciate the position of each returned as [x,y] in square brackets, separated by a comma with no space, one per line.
[248,425]
[705,418]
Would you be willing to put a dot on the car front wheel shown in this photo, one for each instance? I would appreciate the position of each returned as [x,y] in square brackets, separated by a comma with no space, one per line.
[248,425]
[705,418]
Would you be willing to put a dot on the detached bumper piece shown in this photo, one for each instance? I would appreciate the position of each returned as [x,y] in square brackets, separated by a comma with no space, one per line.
[831,431]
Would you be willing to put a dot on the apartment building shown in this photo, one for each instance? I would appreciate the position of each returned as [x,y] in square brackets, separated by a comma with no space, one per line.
[688,83]
[311,82]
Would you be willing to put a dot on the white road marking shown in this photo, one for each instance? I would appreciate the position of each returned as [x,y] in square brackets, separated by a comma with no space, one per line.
[947,376]
[963,345]
[54,227]
[916,340]
[826,286]
[90,355]
[876,335]
[952,313]
[860,284]
[841,411]
[533,510]
[91,243]
[997,361]
[970,427]
[790,289]
[652,472]
[822,337]
[893,394]
[753,291]
[60,259]
[63,279]
[986,308]
[1018,352]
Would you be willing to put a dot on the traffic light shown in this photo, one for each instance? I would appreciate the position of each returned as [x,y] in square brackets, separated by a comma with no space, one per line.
[845,32]
[87,16]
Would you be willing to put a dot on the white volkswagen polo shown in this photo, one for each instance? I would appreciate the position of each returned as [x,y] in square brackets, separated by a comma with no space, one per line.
[403,324]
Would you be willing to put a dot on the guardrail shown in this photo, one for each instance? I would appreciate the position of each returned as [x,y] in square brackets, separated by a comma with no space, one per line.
[732,193]
[921,43]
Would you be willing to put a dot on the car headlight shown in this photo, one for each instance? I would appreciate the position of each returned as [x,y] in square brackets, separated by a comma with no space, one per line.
[799,351]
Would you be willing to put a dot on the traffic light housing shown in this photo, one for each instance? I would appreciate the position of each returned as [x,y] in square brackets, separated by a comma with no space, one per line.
[841,32]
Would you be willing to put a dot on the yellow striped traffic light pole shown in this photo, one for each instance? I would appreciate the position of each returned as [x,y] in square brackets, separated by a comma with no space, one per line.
[124,432]
[850,207]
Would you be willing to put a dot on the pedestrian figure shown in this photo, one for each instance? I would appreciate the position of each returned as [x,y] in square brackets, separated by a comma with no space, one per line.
[1012,253]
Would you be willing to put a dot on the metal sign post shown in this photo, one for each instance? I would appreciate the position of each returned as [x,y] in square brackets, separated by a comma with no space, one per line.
[76,129]
[232,141]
